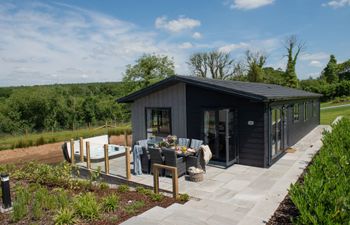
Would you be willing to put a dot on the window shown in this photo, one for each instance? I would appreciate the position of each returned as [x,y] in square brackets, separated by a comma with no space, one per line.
[276,132]
[314,108]
[296,112]
[306,111]
[158,122]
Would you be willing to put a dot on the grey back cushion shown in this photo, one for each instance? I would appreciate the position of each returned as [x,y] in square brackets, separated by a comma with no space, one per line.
[195,144]
[184,142]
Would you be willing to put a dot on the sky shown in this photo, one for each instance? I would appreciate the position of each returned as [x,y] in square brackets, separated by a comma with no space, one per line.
[46,42]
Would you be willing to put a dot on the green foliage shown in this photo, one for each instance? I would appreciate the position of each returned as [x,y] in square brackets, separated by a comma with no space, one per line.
[20,205]
[123,188]
[184,197]
[134,207]
[150,193]
[86,206]
[255,62]
[110,203]
[104,186]
[61,198]
[55,107]
[65,216]
[324,196]
[331,71]
[147,70]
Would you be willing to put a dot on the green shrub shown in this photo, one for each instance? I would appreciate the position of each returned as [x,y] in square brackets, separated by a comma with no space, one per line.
[86,206]
[184,197]
[123,188]
[157,197]
[110,203]
[324,195]
[61,198]
[134,207]
[64,216]
[104,186]
[144,191]
[20,205]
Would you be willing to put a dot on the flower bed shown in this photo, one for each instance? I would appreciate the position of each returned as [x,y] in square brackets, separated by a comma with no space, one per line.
[46,194]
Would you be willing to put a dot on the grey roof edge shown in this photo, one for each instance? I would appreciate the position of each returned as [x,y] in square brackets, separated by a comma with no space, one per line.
[180,78]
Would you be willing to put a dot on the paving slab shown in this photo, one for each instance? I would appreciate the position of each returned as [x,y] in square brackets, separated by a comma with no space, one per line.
[241,195]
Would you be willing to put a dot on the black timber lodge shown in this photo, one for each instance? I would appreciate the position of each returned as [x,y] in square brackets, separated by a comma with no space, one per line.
[242,122]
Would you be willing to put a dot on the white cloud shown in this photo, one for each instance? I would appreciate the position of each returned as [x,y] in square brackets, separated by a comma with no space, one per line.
[266,46]
[233,47]
[56,43]
[197,35]
[186,45]
[176,25]
[314,56]
[337,3]
[315,63]
[250,4]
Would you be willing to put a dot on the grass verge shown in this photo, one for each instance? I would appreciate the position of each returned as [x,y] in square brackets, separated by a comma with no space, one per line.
[23,141]
[329,115]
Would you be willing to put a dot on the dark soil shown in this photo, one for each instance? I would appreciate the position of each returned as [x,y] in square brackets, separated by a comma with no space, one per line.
[115,217]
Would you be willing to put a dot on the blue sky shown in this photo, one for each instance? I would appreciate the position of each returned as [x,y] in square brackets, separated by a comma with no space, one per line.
[44,42]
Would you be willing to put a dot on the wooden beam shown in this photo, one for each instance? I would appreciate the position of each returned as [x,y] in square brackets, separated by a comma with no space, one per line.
[72,151]
[81,145]
[88,162]
[127,163]
[106,159]
[173,170]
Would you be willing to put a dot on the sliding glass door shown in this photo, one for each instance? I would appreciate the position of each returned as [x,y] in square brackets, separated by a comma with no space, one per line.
[278,129]
[218,132]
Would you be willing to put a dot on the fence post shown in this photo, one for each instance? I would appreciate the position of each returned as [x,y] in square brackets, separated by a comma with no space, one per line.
[155,179]
[126,138]
[72,151]
[127,163]
[88,162]
[81,145]
[106,159]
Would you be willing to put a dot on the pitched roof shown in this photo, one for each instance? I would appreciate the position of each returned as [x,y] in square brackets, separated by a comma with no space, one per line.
[256,91]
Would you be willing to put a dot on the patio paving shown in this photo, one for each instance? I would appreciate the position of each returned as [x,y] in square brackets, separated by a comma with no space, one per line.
[241,195]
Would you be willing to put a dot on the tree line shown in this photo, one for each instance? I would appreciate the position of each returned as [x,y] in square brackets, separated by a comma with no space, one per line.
[72,106]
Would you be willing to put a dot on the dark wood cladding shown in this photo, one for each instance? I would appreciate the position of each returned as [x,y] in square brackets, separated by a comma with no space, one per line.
[250,137]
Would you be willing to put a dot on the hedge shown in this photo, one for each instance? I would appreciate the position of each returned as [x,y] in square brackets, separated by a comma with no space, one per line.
[324,195]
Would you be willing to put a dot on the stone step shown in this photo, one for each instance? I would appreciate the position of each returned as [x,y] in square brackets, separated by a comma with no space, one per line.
[156,213]
[136,220]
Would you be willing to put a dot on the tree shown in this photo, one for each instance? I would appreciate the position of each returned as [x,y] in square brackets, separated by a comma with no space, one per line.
[148,70]
[255,63]
[218,64]
[330,73]
[294,48]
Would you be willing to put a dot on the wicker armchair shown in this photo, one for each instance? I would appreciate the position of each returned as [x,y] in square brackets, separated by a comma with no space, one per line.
[196,161]
[145,161]
[184,142]
[156,157]
[196,144]
[171,159]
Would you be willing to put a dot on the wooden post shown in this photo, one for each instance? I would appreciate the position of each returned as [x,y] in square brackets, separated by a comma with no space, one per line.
[88,162]
[127,163]
[155,179]
[72,151]
[81,145]
[173,170]
[106,159]
[175,184]
[126,138]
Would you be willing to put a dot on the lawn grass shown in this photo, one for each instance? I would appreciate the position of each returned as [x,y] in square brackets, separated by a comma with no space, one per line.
[20,141]
[329,115]
[331,103]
